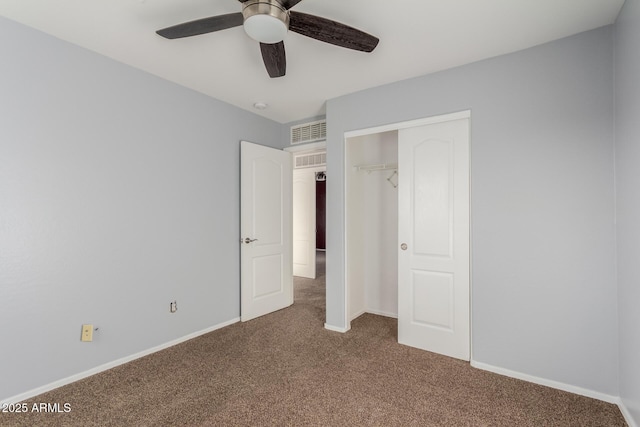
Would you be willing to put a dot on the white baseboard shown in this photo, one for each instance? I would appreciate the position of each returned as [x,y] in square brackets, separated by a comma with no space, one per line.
[336,328]
[383,313]
[355,316]
[376,312]
[626,414]
[549,383]
[358,314]
[73,378]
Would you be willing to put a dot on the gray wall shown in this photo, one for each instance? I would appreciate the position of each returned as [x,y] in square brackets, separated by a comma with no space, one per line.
[119,193]
[627,67]
[543,267]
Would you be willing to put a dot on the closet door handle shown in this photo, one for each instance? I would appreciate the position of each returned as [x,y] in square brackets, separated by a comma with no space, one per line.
[248,240]
[403,246]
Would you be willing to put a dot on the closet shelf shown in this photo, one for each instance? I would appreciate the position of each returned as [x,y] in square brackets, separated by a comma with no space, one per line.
[377,167]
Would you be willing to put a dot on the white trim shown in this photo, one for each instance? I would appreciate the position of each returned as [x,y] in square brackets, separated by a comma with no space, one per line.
[548,383]
[73,378]
[358,314]
[626,414]
[345,246]
[314,146]
[336,328]
[409,124]
[382,313]
[314,169]
[470,241]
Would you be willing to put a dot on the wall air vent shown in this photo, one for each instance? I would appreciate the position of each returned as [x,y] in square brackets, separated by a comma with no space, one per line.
[311,160]
[309,132]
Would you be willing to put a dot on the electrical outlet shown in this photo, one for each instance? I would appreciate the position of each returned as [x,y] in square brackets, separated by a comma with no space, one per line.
[87,333]
[173,306]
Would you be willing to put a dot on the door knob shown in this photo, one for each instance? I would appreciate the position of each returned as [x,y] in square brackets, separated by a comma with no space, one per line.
[403,246]
[248,240]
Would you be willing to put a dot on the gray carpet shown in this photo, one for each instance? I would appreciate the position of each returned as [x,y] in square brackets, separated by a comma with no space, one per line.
[285,369]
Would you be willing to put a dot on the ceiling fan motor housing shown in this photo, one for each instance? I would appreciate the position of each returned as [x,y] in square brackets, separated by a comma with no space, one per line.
[266,21]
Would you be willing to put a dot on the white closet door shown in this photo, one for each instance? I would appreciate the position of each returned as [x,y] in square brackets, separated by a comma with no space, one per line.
[433,233]
[304,223]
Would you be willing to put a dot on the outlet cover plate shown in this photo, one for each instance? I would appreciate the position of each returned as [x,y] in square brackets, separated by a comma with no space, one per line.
[87,333]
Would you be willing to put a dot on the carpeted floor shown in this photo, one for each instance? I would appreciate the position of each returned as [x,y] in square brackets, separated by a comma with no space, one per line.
[285,369]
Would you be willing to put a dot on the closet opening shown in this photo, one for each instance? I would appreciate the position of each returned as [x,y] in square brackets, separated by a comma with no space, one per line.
[372,224]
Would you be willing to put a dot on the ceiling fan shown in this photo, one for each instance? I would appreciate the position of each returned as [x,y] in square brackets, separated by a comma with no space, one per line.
[267,22]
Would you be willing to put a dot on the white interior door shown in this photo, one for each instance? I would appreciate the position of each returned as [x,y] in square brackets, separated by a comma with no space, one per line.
[265,227]
[304,223]
[433,233]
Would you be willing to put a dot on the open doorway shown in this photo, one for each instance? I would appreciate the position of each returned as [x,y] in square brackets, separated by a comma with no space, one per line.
[309,227]
[311,292]
[309,205]
[309,231]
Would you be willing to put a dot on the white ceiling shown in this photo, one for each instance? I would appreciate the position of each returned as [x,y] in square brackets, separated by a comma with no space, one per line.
[416,37]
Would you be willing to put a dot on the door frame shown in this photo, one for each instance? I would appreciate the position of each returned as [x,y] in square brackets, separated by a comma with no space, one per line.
[464,114]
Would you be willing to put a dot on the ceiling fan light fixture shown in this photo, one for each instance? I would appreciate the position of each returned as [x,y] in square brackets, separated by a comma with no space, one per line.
[268,22]
[265,21]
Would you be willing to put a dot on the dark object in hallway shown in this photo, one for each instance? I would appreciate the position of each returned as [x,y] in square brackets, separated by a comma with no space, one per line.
[321,216]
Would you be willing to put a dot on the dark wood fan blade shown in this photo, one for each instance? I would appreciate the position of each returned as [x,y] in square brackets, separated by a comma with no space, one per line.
[333,32]
[202,26]
[288,4]
[274,59]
